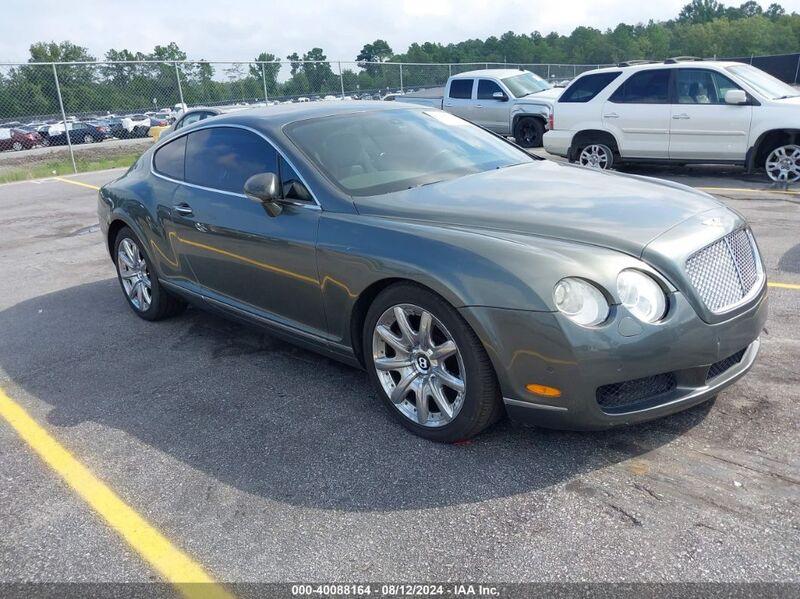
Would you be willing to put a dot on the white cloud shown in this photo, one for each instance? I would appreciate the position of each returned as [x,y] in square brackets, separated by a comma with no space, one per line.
[239,30]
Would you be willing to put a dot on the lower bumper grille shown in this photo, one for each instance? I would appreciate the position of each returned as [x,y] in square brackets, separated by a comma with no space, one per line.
[634,391]
[717,368]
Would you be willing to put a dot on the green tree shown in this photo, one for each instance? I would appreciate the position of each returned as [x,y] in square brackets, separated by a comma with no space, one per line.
[271,70]
[701,11]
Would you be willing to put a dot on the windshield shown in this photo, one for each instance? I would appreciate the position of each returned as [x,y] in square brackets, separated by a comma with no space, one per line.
[374,153]
[764,83]
[525,83]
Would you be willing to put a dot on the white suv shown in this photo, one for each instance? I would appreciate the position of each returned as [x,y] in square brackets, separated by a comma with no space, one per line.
[679,111]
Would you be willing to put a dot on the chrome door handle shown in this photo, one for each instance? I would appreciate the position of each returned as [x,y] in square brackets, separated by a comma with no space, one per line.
[183,208]
[680,116]
[448,104]
[613,115]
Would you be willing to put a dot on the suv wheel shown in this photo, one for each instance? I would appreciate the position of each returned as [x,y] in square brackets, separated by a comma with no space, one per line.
[428,366]
[528,132]
[16,146]
[596,155]
[87,139]
[783,164]
[145,295]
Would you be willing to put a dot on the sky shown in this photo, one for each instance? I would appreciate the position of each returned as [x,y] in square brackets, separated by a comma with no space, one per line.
[240,30]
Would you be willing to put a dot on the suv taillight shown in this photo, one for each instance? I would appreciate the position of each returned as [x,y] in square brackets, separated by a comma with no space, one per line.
[551,124]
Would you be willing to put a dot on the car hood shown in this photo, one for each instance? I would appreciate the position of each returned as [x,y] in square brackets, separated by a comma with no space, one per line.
[552,93]
[621,212]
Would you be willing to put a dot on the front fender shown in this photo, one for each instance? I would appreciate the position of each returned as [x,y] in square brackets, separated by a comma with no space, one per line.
[467,267]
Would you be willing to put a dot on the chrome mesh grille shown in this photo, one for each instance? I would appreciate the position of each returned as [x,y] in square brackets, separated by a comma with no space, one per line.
[724,272]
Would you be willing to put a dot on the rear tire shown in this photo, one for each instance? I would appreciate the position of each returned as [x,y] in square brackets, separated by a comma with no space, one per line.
[139,282]
[596,155]
[453,358]
[528,132]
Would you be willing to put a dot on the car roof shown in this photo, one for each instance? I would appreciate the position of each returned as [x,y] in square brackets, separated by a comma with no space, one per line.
[271,118]
[680,64]
[498,73]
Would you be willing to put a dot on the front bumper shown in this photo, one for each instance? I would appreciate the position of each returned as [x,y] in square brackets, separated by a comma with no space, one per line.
[545,348]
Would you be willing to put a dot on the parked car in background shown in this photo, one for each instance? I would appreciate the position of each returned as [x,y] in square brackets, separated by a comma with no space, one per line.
[136,125]
[506,101]
[158,120]
[79,133]
[19,138]
[194,115]
[680,111]
[466,276]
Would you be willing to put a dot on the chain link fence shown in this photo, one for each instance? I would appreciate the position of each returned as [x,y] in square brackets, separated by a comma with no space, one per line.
[78,103]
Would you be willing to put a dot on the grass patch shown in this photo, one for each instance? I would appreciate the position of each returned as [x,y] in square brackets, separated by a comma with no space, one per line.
[61,167]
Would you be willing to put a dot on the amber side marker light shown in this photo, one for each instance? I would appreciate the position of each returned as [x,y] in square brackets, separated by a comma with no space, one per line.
[544,390]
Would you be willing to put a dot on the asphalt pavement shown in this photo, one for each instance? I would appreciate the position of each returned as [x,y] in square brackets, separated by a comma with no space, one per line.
[264,462]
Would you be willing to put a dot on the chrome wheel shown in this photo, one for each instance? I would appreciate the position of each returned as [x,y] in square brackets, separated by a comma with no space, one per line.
[87,139]
[419,365]
[134,274]
[596,156]
[783,164]
[16,146]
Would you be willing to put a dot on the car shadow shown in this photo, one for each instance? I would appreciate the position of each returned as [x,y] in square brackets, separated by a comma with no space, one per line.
[270,419]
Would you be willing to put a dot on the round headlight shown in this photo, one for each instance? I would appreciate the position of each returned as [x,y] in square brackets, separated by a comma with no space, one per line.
[641,295]
[580,301]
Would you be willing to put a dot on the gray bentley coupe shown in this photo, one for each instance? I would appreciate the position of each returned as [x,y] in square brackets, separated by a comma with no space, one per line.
[467,277]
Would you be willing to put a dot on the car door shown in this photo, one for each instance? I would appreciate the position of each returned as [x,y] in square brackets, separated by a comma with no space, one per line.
[459,98]
[491,112]
[240,254]
[703,126]
[638,114]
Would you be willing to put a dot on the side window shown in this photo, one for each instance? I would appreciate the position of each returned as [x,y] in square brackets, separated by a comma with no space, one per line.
[724,85]
[644,87]
[291,185]
[189,119]
[486,88]
[225,157]
[461,89]
[585,88]
[169,159]
[695,86]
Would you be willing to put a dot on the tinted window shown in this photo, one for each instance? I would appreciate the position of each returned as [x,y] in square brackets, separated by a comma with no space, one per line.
[701,86]
[587,87]
[169,159]
[225,157]
[190,118]
[644,87]
[373,153]
[291,185]
[461,88]
[486,88]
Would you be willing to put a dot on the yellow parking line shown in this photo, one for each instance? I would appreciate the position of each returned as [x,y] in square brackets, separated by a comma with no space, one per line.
[748,190]
[174,566]
[81,183]
[784,285]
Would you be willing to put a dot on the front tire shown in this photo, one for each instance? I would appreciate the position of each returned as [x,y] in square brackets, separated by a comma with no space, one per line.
[428,366]
[145,295]
[783,164]
[528,132]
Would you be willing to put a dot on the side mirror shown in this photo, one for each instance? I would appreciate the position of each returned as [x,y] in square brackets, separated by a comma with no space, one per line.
[500,96]
[264,189]
[735,96]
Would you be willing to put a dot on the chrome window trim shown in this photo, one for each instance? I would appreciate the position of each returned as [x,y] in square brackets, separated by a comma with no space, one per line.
[315,206]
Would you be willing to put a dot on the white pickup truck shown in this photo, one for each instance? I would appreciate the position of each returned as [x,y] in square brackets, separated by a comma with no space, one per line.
[507,101]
